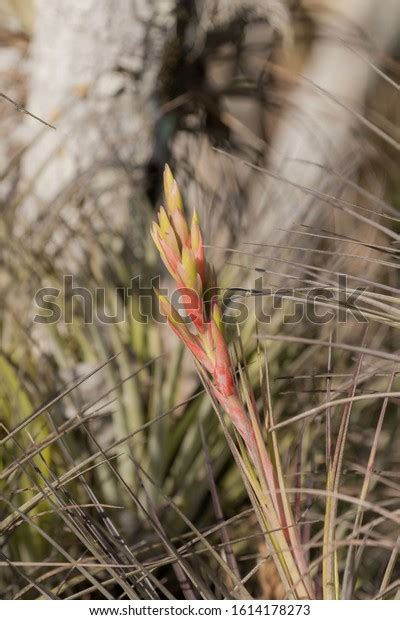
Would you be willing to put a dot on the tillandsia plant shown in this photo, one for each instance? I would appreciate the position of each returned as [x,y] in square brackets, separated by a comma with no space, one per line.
[202,332]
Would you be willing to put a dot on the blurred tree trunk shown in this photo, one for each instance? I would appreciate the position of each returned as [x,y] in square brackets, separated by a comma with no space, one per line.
[94,73]
[322,129]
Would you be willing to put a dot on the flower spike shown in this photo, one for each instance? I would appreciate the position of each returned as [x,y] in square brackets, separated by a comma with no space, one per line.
[182,251]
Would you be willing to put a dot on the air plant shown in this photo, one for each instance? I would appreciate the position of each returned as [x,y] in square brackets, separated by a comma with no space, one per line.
[202,332]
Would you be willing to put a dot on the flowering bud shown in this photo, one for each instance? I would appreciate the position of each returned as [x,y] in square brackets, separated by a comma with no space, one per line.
[197,247]
[163,220]
[171,191]
[189,269]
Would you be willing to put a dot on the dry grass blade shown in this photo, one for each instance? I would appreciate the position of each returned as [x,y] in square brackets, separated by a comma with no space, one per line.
[25,111]
[348,576]
[229,554]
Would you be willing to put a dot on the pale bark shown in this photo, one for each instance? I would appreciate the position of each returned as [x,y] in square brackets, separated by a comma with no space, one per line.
[94,73]
[321,122]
